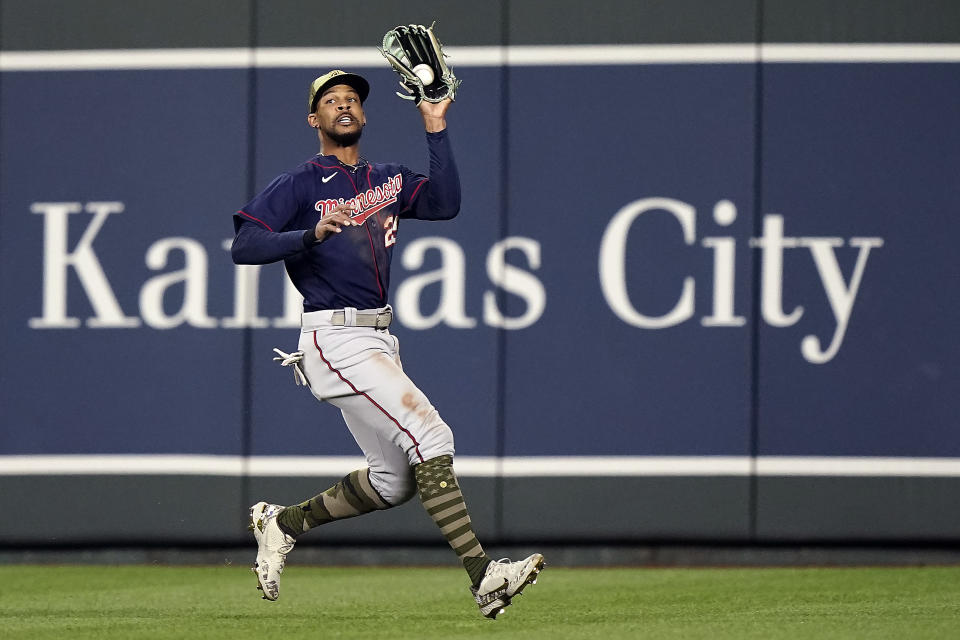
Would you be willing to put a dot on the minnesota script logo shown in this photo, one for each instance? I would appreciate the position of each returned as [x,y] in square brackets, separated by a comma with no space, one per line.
[366,203]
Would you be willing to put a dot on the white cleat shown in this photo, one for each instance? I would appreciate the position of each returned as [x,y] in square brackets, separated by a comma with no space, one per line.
[273,545]
[503,580]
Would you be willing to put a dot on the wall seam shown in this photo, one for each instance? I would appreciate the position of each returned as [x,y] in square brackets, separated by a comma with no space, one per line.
[501,296]
[755,277]
[246,360]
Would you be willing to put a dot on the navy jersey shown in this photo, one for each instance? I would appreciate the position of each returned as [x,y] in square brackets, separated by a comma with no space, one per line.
[350,268]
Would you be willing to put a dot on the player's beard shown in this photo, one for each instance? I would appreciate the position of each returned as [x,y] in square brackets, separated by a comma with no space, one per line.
[345,138]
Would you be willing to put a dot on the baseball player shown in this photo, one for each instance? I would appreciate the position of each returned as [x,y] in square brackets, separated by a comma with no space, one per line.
[333,220]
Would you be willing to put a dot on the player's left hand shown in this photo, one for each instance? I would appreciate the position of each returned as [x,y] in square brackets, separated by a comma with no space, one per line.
[333,222]
[434,114]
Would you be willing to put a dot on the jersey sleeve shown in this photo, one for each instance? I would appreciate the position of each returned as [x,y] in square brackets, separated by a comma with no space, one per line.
[273,207]
[436,197]
[260,227]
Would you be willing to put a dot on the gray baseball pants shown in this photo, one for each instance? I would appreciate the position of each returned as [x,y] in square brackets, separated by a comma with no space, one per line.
[357,369]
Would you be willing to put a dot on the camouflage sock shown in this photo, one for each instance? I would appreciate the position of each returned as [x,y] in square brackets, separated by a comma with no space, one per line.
[352,496]
[441,497]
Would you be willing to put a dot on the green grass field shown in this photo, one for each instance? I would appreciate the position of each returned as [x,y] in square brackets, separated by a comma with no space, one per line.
[79,602]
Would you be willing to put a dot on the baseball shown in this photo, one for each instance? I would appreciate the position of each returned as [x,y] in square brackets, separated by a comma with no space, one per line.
[424,72]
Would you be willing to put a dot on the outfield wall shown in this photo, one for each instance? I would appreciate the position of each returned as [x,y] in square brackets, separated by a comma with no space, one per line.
[703,285]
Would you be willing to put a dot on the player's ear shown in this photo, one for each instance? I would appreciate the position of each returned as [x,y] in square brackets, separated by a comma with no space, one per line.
[312,121]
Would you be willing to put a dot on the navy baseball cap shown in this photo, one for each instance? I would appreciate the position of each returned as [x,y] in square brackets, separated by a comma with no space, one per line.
[318,86]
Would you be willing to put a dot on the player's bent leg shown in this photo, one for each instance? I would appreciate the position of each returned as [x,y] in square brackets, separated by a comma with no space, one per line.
[352,496]
[397,488]
[390,474]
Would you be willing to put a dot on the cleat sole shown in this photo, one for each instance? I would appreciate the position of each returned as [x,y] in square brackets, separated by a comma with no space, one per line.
[531,579]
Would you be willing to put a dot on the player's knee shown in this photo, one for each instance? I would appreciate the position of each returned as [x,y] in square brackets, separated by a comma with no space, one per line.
[403,492]
[394,488]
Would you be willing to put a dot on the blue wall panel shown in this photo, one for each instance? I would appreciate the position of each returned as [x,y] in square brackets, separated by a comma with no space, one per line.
[585,379]
[167,147]
[864,151]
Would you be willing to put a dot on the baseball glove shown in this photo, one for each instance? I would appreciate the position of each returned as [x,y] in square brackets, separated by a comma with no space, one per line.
[417,56]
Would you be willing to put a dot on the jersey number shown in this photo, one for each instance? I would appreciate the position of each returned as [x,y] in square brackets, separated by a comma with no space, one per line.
[390,231]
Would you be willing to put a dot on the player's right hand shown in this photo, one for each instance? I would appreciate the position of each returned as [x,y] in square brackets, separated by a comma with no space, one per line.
[334,221]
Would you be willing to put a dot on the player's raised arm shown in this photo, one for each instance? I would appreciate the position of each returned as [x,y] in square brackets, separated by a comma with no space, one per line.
[417,56]
[436,197]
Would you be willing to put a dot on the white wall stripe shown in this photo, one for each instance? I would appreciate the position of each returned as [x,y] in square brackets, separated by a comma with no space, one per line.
[478,466]
[628,54]
[849,466]
[123,59]
[319,57]
[626,466]
[519,55]
[861,52]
